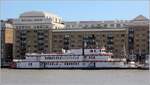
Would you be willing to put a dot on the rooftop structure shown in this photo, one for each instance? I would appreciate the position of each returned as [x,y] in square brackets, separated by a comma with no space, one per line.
[105,24]
[39,20]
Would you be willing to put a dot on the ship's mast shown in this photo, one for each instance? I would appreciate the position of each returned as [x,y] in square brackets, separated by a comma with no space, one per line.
[83,43]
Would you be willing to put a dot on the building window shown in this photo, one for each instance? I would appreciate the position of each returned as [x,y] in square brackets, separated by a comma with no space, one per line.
[35,51]
[72,45]
[137,40]
[122,40]
[80,25]
[46,26]
[66,36]
[35,31]
[55,41]
[55,36]
[72,36]
[28,31]
[67,26]
[112,25]
[122,35]
[131,29]
[79,36]
[110,34]
[137,45]
[91,51]
[118,25]
[41,39]
[137,35]
[73,41]
[35,46]
[143,35]
[105,25]
[104,41]
[103,35]
[60,41]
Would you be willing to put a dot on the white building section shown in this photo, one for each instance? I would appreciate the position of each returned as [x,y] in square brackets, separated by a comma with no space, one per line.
[96,24]
[38,20]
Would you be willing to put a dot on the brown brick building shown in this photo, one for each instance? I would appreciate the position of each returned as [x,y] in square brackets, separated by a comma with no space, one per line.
[6,43]
[138,37]
[41,37]
[115,40]
[31,41]
[46,41]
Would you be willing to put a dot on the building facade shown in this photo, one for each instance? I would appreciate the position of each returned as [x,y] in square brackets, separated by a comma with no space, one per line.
[36,32]
[97,24]
[114,40]
[138,37]
[46,41]
[32,32]
[6,43]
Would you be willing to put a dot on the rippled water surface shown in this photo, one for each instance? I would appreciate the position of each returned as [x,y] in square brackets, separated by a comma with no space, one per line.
[74,77]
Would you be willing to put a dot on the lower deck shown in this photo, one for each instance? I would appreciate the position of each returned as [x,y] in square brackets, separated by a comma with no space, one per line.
[68,64]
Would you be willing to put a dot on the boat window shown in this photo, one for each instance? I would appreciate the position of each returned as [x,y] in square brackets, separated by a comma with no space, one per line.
[52,63]
[91,57]
[57,57]
[77,63]
[65,63]
[99,50]
[55,63]
[30,64]
[91,50]
[60,58]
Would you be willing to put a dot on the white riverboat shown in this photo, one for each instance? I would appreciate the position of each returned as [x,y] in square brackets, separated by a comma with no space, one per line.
[74,58]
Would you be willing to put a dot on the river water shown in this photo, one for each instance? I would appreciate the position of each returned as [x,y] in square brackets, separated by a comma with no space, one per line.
[74,77]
